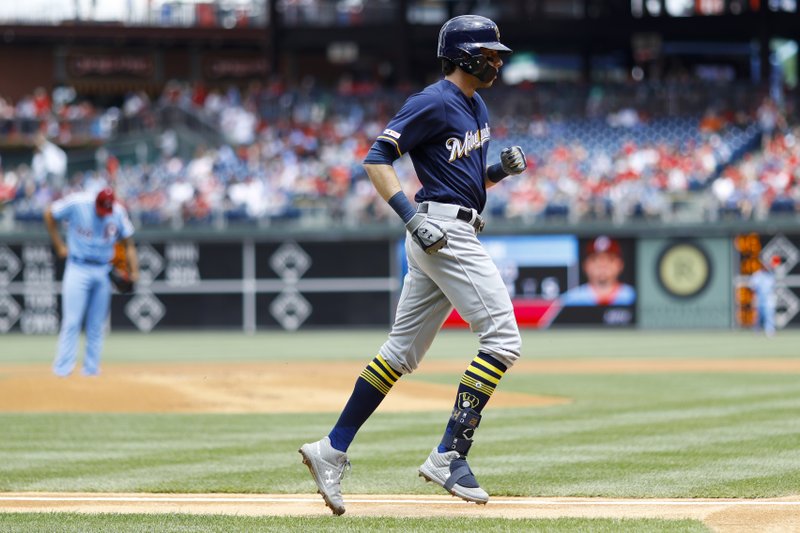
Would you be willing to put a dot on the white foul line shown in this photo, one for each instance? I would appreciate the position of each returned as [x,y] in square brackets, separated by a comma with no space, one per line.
[256,499]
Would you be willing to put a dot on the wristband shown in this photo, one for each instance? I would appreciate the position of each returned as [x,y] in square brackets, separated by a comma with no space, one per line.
[495,173]
[402,206]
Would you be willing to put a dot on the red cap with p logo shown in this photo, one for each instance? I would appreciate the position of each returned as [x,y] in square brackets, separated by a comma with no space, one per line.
[105,202]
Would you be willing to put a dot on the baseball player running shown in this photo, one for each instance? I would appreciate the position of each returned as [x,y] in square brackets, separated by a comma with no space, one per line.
[94,224]
[445,129]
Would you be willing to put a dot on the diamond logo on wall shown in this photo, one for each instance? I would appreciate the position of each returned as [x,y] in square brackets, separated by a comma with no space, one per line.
[150,263]
[783,248]
[290,262]
[9,312]
[9,265]
[290,309]
[787,307]
[145,311]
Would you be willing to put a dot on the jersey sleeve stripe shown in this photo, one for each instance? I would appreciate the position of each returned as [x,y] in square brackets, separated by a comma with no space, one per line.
[386,138]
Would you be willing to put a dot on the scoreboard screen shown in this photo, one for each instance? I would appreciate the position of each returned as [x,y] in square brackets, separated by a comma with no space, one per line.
[562,279]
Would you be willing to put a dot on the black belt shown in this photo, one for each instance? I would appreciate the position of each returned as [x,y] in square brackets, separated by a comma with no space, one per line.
[84,261]
[462,214]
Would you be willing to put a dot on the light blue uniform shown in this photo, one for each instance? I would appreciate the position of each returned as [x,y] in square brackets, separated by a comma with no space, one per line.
[762,283]
[86,288]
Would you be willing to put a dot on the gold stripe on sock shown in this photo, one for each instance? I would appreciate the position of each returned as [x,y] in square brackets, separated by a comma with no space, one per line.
[388,368]
[488,377]
[375,382]
[479,386]
[374,366]
[488,366]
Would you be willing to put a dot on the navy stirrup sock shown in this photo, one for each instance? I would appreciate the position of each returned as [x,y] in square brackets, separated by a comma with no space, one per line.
[371,388]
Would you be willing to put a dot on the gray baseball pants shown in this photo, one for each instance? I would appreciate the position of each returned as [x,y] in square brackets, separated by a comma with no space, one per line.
[460,275]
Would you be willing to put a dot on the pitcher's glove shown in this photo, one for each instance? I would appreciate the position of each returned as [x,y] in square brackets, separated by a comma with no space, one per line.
[429,236]
[121,281]
[513,160]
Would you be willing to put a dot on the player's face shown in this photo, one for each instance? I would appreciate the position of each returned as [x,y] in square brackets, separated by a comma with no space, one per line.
[603,268]
[493,59]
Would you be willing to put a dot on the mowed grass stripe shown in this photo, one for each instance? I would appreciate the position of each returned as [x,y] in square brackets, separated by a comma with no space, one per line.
[362,344]
[124,523]
[517,452]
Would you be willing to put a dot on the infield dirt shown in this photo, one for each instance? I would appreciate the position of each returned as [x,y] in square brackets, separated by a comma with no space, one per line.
[292,387]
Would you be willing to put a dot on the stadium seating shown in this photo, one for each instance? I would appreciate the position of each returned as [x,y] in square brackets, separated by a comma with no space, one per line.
[278,155]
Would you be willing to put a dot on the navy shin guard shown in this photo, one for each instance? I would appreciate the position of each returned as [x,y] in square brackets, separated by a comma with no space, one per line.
[465,423]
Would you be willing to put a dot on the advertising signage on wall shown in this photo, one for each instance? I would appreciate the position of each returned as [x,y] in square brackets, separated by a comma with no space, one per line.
[684,282]
[561,279]
[237,285]
[767,281]
[95,64]
[28,286]
[235,67]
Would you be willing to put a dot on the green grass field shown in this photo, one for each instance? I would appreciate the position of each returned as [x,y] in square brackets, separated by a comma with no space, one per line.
[74,523]
[180,523]
[449,344]
[642,435]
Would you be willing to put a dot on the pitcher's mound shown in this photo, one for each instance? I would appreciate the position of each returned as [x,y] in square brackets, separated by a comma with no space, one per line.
[224,388]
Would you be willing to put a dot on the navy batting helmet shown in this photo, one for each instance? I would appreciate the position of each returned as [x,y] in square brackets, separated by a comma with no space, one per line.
[461,39]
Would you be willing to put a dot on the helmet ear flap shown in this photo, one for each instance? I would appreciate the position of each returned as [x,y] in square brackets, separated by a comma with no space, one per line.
[464,59]
[476,65]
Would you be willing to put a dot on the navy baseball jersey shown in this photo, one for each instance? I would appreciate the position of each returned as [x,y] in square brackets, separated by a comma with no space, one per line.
[447,136]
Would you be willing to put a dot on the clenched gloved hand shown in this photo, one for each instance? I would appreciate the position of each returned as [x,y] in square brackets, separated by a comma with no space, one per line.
[428,235]
[513,160]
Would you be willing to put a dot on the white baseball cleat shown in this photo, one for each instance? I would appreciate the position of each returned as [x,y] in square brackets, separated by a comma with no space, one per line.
[451,471]
[327,466]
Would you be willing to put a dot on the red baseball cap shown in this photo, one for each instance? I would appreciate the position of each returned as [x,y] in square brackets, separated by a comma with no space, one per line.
[104,203]
[603,244]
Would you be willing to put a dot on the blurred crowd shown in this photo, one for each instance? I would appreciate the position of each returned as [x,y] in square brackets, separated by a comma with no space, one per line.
[763,183]
[295,154]
[61,116]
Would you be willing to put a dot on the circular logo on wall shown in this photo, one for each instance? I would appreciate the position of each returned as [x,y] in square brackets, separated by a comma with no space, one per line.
[683,269]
